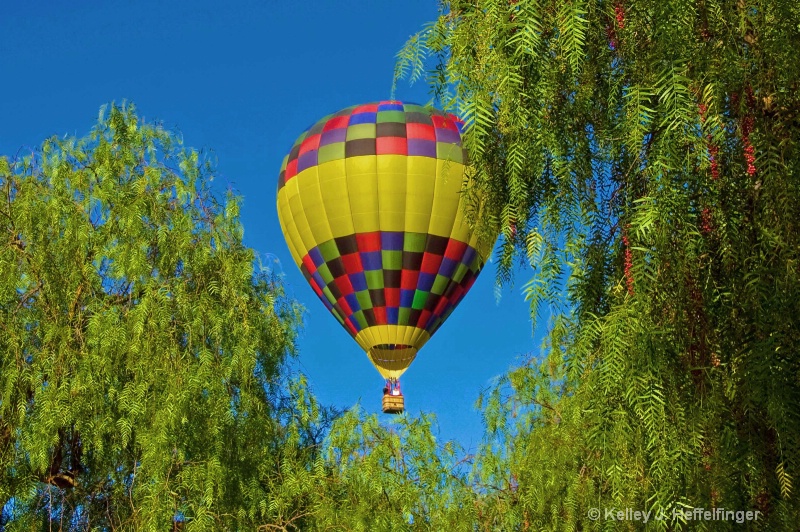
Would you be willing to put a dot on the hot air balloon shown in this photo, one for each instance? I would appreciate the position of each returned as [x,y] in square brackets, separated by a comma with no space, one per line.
[369,201]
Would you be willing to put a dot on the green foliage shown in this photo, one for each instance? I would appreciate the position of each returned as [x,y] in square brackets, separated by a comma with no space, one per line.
[143,377]
[366,476]
[642,156]
[140,350]
[394,477]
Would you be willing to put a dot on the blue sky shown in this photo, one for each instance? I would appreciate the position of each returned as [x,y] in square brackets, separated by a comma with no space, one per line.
[244,79]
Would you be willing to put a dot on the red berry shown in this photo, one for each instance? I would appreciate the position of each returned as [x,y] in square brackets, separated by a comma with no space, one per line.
[713,151]
[619,11]
[628,264]
[706,225]
[747,125]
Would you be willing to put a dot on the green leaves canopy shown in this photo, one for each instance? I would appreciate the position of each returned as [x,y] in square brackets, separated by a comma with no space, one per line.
[140,350]
[642,156]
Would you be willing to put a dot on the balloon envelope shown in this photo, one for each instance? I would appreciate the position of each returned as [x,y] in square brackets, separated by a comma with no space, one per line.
[369,201]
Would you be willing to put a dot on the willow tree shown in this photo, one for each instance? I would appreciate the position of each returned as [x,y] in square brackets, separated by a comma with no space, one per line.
[642,156]
[140,348]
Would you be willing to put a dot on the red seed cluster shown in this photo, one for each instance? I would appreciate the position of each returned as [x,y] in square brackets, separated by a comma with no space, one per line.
[628,264]
[713,153]
[706,223]
[749,156]
[749,150]
[747,128]
[713,149]
[619,12]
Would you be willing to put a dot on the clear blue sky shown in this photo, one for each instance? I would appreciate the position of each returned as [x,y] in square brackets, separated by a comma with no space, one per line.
[244,79]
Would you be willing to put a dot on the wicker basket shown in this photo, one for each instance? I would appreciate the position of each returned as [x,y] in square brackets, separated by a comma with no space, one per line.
[393,404]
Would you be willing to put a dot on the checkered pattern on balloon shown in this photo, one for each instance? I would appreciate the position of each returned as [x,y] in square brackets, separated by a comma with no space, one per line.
[369,200]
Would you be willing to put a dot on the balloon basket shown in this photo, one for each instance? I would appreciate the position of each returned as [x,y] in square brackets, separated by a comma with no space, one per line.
[393,404]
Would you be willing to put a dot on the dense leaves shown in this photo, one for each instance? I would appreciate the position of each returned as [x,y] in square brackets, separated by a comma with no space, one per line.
[140,350]
[643,157]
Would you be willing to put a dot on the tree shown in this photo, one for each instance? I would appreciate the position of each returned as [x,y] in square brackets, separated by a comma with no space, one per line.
[393,477]
[377,476]
[642,156]
[141,353]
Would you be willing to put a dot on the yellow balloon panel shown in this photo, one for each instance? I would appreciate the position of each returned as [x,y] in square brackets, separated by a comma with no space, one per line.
[369,194]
